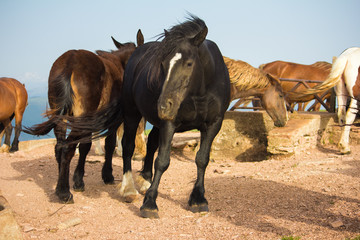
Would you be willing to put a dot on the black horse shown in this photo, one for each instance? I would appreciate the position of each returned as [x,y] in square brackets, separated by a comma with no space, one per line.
[177,84]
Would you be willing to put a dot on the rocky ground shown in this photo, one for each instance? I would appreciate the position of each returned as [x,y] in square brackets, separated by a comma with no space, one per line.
[311,195]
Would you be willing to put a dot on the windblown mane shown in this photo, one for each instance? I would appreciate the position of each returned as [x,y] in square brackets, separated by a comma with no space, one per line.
[322,65]
[244,76]
[159,50]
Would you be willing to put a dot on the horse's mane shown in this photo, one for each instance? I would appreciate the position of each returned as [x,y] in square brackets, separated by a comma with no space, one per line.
[244,76]
[322,65]
[171,38]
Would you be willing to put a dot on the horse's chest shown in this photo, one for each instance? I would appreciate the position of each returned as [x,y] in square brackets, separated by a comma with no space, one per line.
[194,109]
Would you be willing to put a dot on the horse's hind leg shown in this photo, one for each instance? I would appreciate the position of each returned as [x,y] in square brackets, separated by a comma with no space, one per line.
[145,177]
[197,201]
[345,134]
[106,173]
[15,143]
[78,177]
[6,129]
[63,186]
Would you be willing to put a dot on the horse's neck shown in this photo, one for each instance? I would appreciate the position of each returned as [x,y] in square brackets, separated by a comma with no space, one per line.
[250,84]
[256,92]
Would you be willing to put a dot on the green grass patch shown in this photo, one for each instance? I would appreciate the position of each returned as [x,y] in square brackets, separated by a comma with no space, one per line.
[290,238]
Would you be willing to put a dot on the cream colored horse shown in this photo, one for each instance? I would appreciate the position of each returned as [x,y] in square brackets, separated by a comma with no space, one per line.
[344,76]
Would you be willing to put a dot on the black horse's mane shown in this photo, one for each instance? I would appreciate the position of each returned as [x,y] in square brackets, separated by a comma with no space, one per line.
[155,54]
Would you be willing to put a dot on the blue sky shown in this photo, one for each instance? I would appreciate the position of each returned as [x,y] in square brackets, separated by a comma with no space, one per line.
[33,34]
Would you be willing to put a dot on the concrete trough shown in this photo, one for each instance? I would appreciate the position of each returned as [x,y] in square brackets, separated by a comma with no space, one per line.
[252,136]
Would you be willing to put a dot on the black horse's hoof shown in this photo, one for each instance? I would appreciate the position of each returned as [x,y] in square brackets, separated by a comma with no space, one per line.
[108,180]
[79,187]
[110,183]
[149,213]
[199,208]
[66,198]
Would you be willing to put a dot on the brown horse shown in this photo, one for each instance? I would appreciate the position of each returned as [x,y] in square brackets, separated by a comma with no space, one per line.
[80,83]
[317,71]
[248,81]
[13,101]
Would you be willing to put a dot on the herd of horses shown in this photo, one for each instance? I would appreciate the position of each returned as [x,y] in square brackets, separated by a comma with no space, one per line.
[177,83]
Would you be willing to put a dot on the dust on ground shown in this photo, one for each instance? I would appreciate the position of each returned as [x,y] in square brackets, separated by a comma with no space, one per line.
[311,195]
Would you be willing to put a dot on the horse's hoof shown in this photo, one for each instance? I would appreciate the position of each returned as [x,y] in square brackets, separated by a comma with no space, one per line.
[68,199]
[110,183]
[199,208]
[345,152]
[344,149]
[143,183]
[131,197]
[4,148]
[108,180]
[80,188]
[149,213]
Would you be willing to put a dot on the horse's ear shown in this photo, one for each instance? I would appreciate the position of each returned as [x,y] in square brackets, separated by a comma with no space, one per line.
[139,38]
[166,33]
[200,37]
[273,79]
[334,59]
[117,44]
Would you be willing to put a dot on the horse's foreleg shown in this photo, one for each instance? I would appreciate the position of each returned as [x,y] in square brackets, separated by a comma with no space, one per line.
[107,170]
[127,188]
[119,134]
[149,208]
[78,177]
[350,117]
[98,148]
[197,201]
[140,144]
[145,177]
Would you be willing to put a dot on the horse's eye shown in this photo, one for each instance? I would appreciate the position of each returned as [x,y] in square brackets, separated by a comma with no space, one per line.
[189,64]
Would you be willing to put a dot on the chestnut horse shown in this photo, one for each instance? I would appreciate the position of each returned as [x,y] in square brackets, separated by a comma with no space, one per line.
[344,76]
[81,82]
[317,71]
[13,101]
[248,81]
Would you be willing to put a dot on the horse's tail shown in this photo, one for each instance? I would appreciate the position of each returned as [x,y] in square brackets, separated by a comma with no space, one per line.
[97,124]
[61,97]
[334,77]
[42,128]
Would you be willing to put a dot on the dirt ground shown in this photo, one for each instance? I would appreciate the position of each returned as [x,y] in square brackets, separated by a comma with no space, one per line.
[312,195]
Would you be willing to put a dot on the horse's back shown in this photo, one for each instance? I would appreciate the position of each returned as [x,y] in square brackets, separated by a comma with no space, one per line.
[83,72]
[13,97]
[221,82]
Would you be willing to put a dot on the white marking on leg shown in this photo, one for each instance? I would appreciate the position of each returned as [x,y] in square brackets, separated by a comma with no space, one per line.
[350,117]
[127,188]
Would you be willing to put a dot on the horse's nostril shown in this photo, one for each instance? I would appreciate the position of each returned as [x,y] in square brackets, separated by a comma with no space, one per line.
[169,103]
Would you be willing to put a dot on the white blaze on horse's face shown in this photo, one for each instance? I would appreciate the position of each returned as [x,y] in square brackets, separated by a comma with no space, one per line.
[175,86]
[173,61]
